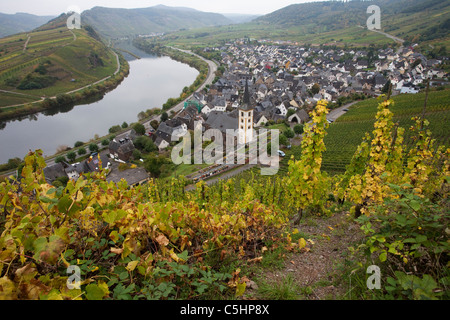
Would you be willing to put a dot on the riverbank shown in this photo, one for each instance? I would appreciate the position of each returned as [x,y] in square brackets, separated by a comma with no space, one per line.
[98,140]
[189,58]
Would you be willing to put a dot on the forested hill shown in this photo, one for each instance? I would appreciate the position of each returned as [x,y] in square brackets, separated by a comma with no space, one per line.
[422,20]
[20,22]
[116,23]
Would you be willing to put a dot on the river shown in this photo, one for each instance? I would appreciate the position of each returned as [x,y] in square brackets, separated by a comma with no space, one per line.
[152,80]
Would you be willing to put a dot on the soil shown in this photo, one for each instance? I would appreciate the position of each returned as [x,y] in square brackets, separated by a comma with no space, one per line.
[315,270]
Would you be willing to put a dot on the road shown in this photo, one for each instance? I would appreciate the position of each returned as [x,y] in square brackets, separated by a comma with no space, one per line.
[339,112]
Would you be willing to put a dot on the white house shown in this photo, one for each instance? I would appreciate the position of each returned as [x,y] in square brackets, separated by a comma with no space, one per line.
[260,120]
[206,110]
[180,131]
[283,109]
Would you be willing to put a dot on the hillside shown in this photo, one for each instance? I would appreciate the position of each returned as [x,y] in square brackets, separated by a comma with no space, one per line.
[412,20]
[116,23]
[20,22]
[51,60]
[348,131]
[336,23]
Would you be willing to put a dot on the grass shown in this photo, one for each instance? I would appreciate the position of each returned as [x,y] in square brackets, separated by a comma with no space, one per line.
[284,289]
[9,99]
[216,36]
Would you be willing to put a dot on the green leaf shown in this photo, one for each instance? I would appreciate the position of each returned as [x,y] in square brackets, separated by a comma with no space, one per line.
[421,238]
[415,205]
[96,292]
[47,200]
[123,275]
[114,216]
[383,256]
[64,203]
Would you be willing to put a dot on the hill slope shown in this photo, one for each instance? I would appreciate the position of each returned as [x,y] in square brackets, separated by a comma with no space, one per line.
[116,23]
[51,60]
[20,22]
[413,20]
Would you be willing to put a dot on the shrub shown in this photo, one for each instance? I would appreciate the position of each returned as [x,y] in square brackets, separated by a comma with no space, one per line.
[115,129]
[71,156]
[60,159]
[139,128]
[409,236]
[93,147]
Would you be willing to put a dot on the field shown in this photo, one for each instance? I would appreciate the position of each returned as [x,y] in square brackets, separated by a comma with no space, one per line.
[347,132]
[216,36]
[70,59]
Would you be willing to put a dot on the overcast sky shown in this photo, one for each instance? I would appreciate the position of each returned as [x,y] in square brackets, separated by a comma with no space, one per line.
[55,7]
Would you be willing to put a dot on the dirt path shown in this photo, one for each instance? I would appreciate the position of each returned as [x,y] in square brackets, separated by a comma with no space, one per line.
[314,271]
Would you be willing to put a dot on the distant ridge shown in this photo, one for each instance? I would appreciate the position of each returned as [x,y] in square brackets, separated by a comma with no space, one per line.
[116,23]
[20,22]
[421,20]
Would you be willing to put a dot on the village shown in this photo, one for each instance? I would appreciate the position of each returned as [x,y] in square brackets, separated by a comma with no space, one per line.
[258,85]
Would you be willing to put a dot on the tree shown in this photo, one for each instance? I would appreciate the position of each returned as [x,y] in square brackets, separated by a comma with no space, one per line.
[283,140]
[154,124]
[315,88]
[60,159]
[105,142]
[115,129]
[137,154]
[93,147]
[78,144]
[298,129]
[139,128]
[71,156]
[164,117]
[81,151]
[289,133]
[153,165]
[124,125]
[386,87]
[144,143]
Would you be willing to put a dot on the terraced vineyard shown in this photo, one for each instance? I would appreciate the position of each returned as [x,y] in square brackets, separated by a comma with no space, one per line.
[347,132]
[70,58]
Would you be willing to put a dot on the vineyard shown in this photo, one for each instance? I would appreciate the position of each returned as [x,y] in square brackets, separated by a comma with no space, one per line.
[157,241]
[65,54]
[347,132]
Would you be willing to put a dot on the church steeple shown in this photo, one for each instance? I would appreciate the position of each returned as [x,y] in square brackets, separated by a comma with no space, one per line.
[246,100]
[245,118]
[246,94]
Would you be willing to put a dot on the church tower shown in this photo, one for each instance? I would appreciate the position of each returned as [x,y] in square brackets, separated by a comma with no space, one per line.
[245,119]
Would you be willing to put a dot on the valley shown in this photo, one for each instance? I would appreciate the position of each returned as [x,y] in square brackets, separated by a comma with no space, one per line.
[114,138]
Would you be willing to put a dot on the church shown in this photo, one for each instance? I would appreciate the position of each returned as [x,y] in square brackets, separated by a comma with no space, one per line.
[239,121]
[245,124]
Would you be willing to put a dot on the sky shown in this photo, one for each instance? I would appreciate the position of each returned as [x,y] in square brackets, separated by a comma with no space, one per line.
[56,7]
